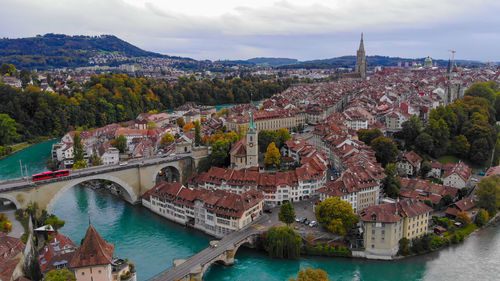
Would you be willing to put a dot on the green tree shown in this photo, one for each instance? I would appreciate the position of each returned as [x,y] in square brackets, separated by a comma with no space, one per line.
[367,135]
[463,217]
[336,215]
[482,217]
[411,129]
[311,275]
[95,160]
[489,194]
[283,135]
[55,222]
[180,122]
[287,213]
[120,143]
[482,90]
[460,146]
[8,69]
[404,247]
[440,133]
[151,125]
[273,155]
[390,183]
[79,164]
[77,148]
[385,150]
[425,169]
[59,275]
[266,137]
[424,143]
[51,164]
[197,133]
[8,130]
[283,242]
[167,139]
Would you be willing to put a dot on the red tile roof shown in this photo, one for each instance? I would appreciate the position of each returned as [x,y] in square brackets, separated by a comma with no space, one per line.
[93,251]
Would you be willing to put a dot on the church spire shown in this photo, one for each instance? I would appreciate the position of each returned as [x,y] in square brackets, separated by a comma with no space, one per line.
[251,128]
[361,43]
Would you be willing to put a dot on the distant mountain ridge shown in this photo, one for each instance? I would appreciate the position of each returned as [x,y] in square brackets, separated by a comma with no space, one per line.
[59,50]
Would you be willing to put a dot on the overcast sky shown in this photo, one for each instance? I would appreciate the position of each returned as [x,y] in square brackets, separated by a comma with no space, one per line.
[302,29]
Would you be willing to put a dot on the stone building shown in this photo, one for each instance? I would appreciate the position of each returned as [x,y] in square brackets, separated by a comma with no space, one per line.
[384,225]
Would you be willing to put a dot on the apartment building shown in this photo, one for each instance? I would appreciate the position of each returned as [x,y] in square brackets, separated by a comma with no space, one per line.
[216,212]
[384,225]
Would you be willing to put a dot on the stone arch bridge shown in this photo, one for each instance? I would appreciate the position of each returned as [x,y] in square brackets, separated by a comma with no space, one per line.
[195,267]
[134,179]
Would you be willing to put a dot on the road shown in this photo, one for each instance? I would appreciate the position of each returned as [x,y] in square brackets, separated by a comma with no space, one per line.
[208,254]
[20,182]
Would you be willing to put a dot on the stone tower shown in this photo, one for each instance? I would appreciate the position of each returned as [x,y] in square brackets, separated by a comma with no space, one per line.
[361,59]
[252,144]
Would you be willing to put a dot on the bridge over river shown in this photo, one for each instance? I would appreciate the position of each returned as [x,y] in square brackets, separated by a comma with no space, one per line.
[134,178]
[194,267]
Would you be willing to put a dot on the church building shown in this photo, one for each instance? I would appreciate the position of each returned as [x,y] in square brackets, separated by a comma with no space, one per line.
[245,153]
[361,60]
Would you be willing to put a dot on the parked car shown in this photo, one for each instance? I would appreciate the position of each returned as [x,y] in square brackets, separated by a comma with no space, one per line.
[297,220]
[313,224]
[302,220]
[481,173]
[306,222]
[269,211]
[123,163]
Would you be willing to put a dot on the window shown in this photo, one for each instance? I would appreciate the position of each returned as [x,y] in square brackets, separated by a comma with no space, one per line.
[99,271]
[83,273]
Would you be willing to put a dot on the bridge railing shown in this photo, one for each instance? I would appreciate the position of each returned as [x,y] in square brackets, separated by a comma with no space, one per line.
[89,172]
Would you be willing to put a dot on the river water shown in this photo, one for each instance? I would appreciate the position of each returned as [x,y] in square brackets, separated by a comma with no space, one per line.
[153,243]
[34,157]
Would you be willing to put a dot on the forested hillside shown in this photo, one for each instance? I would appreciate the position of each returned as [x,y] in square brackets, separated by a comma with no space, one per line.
[115,98]
[58,50]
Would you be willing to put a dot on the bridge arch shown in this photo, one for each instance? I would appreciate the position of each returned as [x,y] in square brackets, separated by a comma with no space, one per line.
[174,167]
[130,191]
[11,199]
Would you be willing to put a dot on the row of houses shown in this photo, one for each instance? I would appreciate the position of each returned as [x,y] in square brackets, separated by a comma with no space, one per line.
[215,212]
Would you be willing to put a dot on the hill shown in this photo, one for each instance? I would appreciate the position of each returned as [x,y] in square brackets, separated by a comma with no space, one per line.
[58,50]
[272,61]
[350,61]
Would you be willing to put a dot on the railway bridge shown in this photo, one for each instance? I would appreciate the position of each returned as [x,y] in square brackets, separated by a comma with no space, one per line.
[134,179]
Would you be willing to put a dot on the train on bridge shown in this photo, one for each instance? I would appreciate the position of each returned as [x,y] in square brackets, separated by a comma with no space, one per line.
[49,175]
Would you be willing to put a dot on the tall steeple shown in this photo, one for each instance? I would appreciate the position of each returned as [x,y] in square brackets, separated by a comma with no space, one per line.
[361,59]
[362,43]
[252,142]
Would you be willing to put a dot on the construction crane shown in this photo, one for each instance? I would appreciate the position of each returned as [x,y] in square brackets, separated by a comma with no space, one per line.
[452,54]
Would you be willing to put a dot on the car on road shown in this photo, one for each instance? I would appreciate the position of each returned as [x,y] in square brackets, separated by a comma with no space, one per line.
[123,163]
[269,211]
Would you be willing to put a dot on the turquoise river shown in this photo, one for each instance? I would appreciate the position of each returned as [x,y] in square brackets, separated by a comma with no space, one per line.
[153,243]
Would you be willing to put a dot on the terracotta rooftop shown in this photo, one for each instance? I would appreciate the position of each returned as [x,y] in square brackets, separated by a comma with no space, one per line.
[93,251]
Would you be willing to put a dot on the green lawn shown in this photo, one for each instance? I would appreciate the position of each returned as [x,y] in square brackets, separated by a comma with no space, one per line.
[448,159]
[445,159]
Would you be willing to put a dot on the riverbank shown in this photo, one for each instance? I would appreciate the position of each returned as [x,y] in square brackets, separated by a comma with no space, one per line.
[18,147]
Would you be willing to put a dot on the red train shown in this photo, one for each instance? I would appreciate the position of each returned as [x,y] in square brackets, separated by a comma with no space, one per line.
[49,175]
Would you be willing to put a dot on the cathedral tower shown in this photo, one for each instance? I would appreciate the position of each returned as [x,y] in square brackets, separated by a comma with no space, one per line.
[361,60]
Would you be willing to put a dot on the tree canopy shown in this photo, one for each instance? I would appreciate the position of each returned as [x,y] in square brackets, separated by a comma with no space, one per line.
[311,275]
[273,155]
[120,143]
[287,213]
[391,184]
[8,130]
[367,135]
[336,215]
[283,242]
[385,150]
[489,194]
[59,275]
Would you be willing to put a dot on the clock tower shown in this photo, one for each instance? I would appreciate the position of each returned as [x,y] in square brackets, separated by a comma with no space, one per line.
[252,140]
